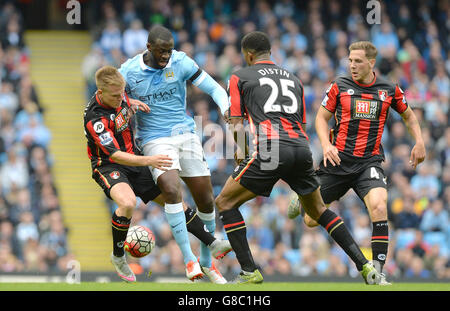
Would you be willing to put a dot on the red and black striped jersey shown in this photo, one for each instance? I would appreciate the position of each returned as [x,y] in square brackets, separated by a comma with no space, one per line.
[107,130]
[361,112]
[273,100]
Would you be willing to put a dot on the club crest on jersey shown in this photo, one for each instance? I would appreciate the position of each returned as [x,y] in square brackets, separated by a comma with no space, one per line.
[382,95]
[169,75]
[114,175]
[365,109]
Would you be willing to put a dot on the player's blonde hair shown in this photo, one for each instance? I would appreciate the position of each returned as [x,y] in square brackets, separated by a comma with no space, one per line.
[107,76]
[368,47]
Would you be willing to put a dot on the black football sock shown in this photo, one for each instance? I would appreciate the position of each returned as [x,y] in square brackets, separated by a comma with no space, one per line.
[339,232]
[235,228]
[380,243]
[196,226]
[120,227]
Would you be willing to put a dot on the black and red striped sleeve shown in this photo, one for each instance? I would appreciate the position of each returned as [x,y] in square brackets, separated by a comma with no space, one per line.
[303,111]
[399,103]
[100,132]
[330,100]
[234,95]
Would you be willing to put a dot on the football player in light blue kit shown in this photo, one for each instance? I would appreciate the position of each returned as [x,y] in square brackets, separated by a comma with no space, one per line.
[158,78]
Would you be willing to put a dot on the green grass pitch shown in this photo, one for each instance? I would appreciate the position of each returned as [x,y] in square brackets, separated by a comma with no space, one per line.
[204,286]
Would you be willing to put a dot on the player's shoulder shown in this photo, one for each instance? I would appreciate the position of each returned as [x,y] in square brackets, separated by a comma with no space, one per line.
[246,73]
[179,57]
[128,67]
[343,79]
[93,110]
[384,83]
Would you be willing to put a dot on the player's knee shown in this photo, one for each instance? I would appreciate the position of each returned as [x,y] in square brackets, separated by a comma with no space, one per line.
[206,203]
[207,207]
[171,193]
[126,205]
[378,211]
[222,204]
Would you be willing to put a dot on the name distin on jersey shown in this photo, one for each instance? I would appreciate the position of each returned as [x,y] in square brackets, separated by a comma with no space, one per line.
[272,71]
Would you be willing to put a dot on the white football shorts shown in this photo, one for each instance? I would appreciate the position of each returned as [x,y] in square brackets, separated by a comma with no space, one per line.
[186,152]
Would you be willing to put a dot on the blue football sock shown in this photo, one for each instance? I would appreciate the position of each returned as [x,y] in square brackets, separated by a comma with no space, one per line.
[210,224]
[177,221]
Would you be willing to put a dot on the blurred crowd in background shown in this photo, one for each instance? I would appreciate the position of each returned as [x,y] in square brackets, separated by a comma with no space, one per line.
[32,232]
[309,38]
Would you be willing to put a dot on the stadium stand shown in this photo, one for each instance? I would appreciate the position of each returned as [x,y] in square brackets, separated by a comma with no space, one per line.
[311,40]
[33,235]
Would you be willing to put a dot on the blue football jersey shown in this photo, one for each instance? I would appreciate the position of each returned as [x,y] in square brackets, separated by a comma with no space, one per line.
[164,91]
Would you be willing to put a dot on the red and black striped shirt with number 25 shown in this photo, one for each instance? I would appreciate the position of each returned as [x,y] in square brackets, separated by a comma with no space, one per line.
[273,100]
[361,112]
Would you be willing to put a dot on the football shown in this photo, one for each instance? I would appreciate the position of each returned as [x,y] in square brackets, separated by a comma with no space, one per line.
[140,241]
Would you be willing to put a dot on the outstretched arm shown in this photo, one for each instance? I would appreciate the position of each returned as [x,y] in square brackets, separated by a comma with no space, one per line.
[208,85]
[159,161]
[418,152]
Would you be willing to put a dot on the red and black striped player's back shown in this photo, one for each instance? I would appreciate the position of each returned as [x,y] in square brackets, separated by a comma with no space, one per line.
[273,100]
[361,112]
[107,130]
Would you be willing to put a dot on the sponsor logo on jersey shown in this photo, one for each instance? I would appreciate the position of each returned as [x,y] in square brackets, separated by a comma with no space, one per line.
[160,95]
[99,127]
[121,120]
[365,109]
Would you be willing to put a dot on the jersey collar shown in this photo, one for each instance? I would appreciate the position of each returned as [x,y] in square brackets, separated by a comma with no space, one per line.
[265,62]
[97,98]
[367,85]
[144,67]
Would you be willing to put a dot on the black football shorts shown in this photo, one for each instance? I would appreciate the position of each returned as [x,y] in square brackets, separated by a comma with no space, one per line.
[138,178]
[294,165]
[334,186]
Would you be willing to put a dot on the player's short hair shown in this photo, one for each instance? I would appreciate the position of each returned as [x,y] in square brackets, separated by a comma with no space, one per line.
[256,42]
[107,76]
[159,32]
[368,47]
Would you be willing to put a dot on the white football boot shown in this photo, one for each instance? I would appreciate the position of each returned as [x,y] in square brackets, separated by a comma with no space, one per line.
[214,274]
[122,268]
[219,248]
[193,270]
